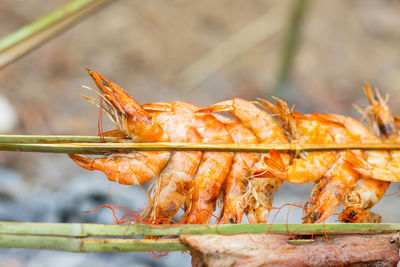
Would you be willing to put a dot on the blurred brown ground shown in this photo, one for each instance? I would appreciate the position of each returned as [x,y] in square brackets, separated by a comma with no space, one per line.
[144,46]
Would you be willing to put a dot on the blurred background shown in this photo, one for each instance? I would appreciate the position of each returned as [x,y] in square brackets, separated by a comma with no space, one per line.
[315,54]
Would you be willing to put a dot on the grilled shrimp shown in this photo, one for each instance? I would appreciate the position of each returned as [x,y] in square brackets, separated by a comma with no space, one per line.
[307,166]
[236,181]
[175,181]
[133,121]
[328,193]
[212,171]
[260,192]
[367,192]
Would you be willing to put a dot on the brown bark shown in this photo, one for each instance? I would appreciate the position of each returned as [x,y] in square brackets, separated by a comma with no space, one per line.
[274,250]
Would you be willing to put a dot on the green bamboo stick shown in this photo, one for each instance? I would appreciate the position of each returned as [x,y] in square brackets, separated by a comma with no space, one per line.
[42,23]
[101,148]
[95,230]
[89,245]
[32,35]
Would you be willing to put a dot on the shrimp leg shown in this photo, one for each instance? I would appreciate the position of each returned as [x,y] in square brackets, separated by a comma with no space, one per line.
[133,121]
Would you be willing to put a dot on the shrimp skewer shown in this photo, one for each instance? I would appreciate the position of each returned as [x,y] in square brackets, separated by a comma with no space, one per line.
[307,166]
[175,181]
[328,193]
[236,181]
[133,121]
[260,193]
[369,191]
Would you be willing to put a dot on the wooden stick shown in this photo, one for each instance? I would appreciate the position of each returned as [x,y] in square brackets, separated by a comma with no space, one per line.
[101,148]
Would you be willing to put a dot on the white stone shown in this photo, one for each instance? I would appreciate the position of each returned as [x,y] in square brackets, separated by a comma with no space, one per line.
[8,117]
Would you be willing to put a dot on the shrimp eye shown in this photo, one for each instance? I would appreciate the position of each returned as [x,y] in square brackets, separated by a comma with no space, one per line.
[352,214]
[105,83]
[314,215]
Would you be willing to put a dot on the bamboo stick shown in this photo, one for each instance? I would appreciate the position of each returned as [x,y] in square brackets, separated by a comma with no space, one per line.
[101,148]
[30,36]
[91,237]
[95,230]
[42,23]
[89,245]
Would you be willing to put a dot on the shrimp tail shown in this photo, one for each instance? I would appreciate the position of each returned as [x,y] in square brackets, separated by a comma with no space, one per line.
[276,167]
[114,133]
[83,161]
[358,163]
[224,106]
[275,161]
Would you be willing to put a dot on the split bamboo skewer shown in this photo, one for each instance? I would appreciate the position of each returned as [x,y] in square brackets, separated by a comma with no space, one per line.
[61,243]
[91,237]
[84,230]
[58,146]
